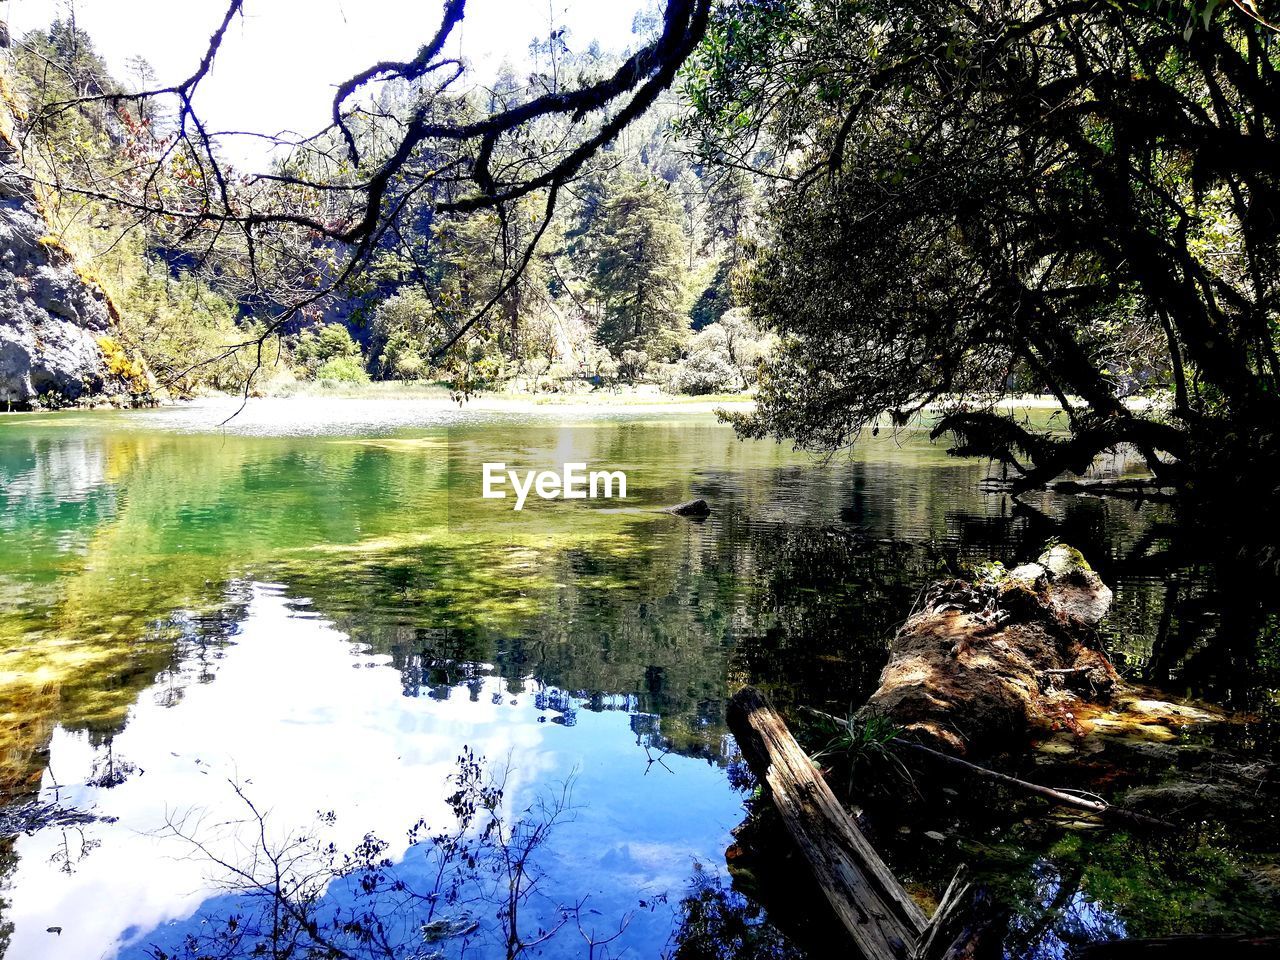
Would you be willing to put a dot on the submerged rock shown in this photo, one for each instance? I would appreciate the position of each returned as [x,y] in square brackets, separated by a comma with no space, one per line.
[986,665]
[691,508]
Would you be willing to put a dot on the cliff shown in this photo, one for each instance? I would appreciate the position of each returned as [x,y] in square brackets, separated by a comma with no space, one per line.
[51,319]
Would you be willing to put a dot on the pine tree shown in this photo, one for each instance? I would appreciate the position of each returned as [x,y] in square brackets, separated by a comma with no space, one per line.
[640,274]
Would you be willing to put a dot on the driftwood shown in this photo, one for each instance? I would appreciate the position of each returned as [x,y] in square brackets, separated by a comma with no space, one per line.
[880,916]
[1099,807]
[882,919]
[950,907]
[1121,488]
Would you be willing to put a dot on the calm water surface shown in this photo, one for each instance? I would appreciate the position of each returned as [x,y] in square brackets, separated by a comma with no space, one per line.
[312,611]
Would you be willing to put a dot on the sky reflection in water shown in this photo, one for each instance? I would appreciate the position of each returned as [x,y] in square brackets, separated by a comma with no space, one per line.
[343,737]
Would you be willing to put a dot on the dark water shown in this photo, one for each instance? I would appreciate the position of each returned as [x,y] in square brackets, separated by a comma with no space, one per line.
[246,644]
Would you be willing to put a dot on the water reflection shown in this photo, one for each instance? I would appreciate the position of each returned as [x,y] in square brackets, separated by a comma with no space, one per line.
[327,619]
[302,722]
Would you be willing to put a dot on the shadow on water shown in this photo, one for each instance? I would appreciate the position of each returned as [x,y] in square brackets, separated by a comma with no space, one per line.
[328,620]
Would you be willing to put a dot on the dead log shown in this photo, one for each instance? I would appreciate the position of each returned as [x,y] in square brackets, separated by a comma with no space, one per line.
[949,908]
[968,671]
[882,919]
[1121,488]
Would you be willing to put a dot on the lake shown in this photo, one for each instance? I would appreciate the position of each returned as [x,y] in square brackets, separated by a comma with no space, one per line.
[270,642]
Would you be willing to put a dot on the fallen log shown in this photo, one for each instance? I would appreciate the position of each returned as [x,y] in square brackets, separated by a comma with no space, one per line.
[1121,488]
[948,909]
[882,919]
[983,666]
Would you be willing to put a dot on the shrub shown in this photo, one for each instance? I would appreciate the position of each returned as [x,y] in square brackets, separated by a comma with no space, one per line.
[131,371]
[318,347]
[401,359]
[702,373]
[632,364]
[722,356]
[402,332]
[597,362]
[184,332]
[343,370]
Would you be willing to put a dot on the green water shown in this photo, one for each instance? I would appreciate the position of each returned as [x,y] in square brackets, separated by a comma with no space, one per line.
[334,575]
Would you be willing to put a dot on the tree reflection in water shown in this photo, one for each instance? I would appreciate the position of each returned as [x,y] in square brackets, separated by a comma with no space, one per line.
[717,923]
[475,889]
[302,897]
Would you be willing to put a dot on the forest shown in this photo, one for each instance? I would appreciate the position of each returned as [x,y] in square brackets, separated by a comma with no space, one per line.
[932,210]
[631,280]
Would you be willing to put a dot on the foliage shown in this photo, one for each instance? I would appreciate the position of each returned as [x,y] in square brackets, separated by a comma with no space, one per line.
[722,357]
[284,893]
[719,924]
[188,335]
[401,333]
[598,363]
[639,274]
[1080,196]
[342,370]
[328,348]
[1193,886]
[860,751]
[479,255]
[706,370]
[451,186]
[514,286]
[632,364]
[130,370]
[1101,887]
[185,333]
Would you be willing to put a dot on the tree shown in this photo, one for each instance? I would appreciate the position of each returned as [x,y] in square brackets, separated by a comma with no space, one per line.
[401,332]
[183,330]
[477,251]
[722,356]
[730,198]
[640,271]
[1080,193]
[344,191]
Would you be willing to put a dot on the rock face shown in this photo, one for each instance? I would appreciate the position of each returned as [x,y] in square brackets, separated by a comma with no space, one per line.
[50,319]
[986,665]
